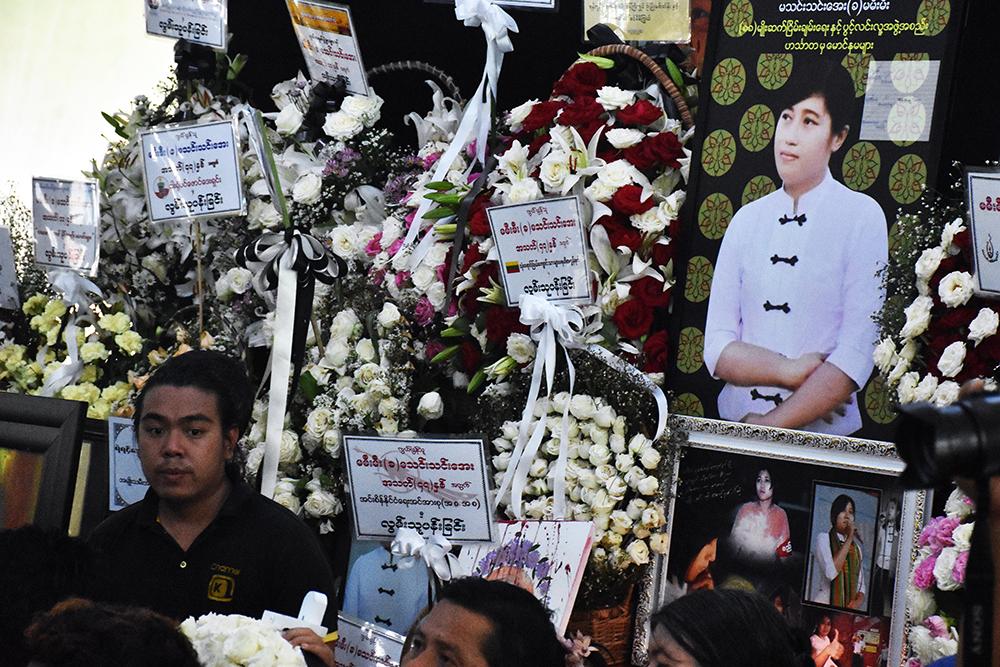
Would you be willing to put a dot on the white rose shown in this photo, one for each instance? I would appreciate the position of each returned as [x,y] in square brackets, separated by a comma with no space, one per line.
[336,353]
[639,443]
[604,473]
[611,539]
[908,351]
[958,504]
[648,486]
[650,518]
[599,436]
[501,461]
[517,115]
[599,455]
[239,279]
[332,443]
[920,603]
[617,174]
[634,476]
[582,406]
[962,536]
[289,452]
[616,487]
[318,422]
[366,108]
[322,503]
[389,316]
[588,479]
[554,171]
[638,552]
[624,462]
[284,494]
[620,522]
[343,241]
[423,277]
[952,359]
[605,416]
[650,222]
[956,288]
[600,191]
[918,316]
[342,125]
[537,487]
[365,349]
[948,234]
[612,98]
[289,120]
[307,188]
[343,324]
[885,355]
[624,137]
[254,458]
[520,348]
[387,426]
[431,406]
[984,326]
[659,543]
[926,388]
[262,214]
[670,207]
[436,295]
[650,459]
[522,190]
[617,443]
[907,389]
[538,468]
[943,569]
[945,394]
[928,263]
[390,406]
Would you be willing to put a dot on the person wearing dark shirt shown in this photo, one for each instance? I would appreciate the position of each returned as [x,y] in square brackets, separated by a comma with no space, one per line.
[202,540]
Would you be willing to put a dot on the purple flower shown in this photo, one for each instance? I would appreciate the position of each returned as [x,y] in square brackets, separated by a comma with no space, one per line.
[958,570]
[923,575]
[937,625]
[937,533]
[423,312]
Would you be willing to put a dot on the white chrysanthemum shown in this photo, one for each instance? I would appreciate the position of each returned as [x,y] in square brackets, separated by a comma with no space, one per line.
[956,288]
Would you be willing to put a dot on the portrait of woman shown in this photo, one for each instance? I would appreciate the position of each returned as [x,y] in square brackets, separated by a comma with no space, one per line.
[760,531]
[789,325]
[836,574]
[825,644]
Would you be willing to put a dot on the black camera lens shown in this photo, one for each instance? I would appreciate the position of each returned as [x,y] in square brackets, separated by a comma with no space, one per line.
[939,444]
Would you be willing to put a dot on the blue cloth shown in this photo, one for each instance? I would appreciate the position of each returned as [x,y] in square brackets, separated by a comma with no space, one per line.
[944,662]
[381,592]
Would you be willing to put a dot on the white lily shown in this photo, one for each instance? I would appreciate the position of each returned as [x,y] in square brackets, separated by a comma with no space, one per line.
[582,155]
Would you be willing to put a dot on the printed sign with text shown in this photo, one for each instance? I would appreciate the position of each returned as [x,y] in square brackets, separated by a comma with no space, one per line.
[983,192]
[126,482]
[361,644]
[641,20]
[542,250]
[329,43]
[192,171]
[197,21]
[9,297]
[65,214]
[432,485]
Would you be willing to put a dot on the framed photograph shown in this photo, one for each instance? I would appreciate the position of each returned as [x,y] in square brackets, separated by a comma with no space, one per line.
[982,188]
[765,509]
[784,235]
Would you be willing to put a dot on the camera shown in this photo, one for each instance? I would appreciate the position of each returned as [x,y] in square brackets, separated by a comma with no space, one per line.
[939,444]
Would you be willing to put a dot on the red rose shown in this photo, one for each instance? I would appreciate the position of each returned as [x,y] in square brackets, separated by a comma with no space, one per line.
[609,154]
[537,143]
[662,253]
[588,130]
[582,112]
[621,234]
[581,79]
[469,356]
[501,322]
[541,115]
[642,112]
[479,223]
[655,353]
[650,291]
[666,147]
[472,255]
[640,156]
[627,201]
[633,319]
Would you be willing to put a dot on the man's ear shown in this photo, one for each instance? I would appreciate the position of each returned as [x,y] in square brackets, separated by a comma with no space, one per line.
[229,439]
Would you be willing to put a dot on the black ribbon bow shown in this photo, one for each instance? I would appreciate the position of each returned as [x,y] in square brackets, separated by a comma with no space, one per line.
[791,261]
[800,218]
[784,307]
[773,398]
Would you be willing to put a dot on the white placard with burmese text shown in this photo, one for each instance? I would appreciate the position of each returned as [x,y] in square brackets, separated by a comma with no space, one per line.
[361,644]
[436,486]
[542,250]
[65,215]
[983,199]
[127,483]
[192,171]
[9,297]
[197,21]
[329,42]
[641,20]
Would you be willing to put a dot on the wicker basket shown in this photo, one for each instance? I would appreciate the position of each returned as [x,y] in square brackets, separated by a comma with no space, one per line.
[610,628]
[447,83]
[662,77]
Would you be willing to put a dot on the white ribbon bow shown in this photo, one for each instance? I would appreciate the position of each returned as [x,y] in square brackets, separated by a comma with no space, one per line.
[435,551]
[75,290]
[551,324]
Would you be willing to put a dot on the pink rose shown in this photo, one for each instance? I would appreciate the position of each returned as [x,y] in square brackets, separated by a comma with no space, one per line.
[958,570]
[402,277]
[923,575]
[937,625]
[423,313]
[937,533]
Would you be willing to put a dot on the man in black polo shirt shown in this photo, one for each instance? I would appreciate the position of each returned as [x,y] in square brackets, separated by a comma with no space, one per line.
[202,540]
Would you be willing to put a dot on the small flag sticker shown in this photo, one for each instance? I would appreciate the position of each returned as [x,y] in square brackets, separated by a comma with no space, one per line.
[513,267]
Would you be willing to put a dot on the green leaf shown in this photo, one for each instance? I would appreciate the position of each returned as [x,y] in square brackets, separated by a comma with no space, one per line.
[442,211]
[444,198]
[452,332]
[476,381]
[309,386]
[439,185]
[675,73]
[236,66]
[445,354]
[603,63]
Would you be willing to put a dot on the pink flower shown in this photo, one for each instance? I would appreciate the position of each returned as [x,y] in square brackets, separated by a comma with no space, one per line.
[470,150]
[937,625]
[374,246]
[433,348]
[937,533]
[423,313]
[440,271]
[431,159]
[402,277]
[923,574]
[958,570]
[377,277]
[914,662]
[409,218]
[396,245]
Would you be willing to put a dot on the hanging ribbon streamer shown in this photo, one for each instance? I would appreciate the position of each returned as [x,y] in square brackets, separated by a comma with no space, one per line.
[410,546]
[478,116]
[552,325]
[75,291]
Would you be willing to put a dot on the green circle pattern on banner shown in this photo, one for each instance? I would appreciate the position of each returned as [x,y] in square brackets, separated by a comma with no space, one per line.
[690,350]
[878,400]
[699,279]
[937,13]
[773,69]
[757,187]
[856,65]
[688,404]
[729,80]
[738,15]
[908,178]
[861,167]
[714,215]
[757,128]
[718,153]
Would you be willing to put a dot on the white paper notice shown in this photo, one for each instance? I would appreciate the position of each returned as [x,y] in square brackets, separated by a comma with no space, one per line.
[434,486]
[329,42]
[65,214]
[899,100]
[192,171]
[127,483]
[542,250]
[9,297]
[528,4]
[197,21]
[983,198]
[361,644]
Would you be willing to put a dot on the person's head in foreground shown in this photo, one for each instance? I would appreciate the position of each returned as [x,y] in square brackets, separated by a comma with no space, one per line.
[81,633]
[722,628]
[480,623]
[188,418]
[816,105]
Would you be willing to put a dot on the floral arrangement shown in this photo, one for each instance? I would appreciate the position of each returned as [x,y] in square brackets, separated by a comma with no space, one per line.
[939,571]
[239,641]
[524,556]
[612,479]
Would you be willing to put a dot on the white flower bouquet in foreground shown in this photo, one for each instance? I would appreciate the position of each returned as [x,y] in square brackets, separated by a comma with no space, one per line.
[239,641]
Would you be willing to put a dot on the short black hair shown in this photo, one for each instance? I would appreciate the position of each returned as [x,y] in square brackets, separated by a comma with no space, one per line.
[724,627]
[522,632]
[840,504]
[824,77]
[213,372]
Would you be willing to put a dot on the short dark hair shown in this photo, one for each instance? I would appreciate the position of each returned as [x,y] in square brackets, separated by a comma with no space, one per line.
[213,372]
[522,632]
[840,504]
[81,633]
[725,627]
[824,77]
